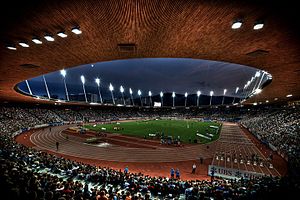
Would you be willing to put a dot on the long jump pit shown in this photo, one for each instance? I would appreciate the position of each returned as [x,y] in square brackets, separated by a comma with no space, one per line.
[117,151]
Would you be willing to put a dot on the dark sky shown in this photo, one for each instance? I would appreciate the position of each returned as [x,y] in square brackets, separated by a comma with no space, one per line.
[155,74]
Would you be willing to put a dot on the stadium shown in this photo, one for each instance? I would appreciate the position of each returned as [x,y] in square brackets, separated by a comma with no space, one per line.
[158,99]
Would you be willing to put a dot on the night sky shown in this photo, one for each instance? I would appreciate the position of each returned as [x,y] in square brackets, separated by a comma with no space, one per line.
[155,74]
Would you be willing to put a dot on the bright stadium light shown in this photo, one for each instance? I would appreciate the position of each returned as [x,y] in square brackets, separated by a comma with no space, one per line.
[83,86]
[11,47]
[62,34]
[236,24]
[224,93]
[36,41]
[111,88]
[257,74]
[211,93]
[122,91]
[236,90]
[23,44]
[150,97]
[131,92]
[185,95]
[140,93]
[63,72]
[49,38]
[289,95]
[76,30]
[198,97]
[173,95]
[97,80]
[161,98]
[257,91]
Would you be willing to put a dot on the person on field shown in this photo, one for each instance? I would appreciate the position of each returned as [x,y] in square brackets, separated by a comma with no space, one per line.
[194,168]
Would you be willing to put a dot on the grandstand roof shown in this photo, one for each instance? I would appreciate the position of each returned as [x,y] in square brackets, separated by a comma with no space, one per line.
[154,29]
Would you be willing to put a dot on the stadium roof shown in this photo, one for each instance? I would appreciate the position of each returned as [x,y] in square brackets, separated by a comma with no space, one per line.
[126,29]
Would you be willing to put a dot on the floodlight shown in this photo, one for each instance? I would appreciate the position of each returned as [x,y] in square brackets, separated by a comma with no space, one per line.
[130,91]
[63,73]
[36,41]
[139,92]
[258,25]
[198,93]
[236,24]
[237,89]
[11,47]
[173,94]
[111,88]
[121,89]
[82,79]
[62,34]
[289,95]
[49,38]
[186,94]
[161,94]
[257,91]
[76,30]
[257,74]
[97,80]
[225,90]
[211,93]
[150,93]
[23,44]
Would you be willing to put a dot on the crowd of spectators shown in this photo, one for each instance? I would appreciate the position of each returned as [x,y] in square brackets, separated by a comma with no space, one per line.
[27,173]
[278,128]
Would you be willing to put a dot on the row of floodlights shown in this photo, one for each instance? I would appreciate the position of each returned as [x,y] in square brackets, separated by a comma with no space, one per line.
[259,24]
[48,37]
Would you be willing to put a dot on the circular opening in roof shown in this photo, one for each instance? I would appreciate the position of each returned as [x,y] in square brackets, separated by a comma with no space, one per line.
[147,81]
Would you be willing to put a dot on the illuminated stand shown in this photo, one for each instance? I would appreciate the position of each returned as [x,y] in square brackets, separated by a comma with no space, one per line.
[97,80]
[64,73]
[111,88]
